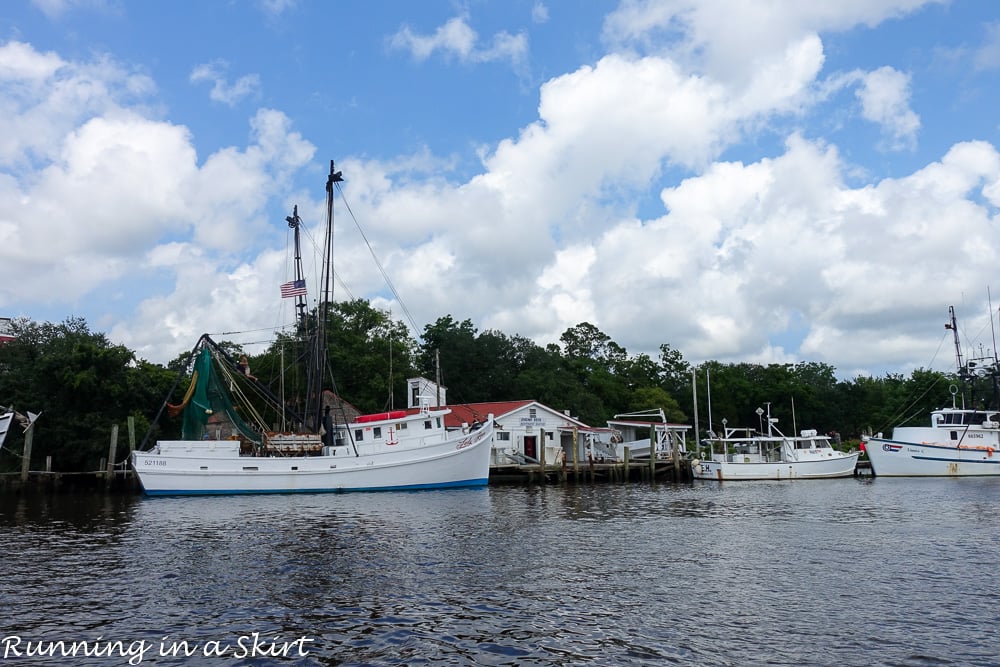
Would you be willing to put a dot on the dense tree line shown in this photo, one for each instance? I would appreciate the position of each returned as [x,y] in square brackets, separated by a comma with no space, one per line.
[82,383]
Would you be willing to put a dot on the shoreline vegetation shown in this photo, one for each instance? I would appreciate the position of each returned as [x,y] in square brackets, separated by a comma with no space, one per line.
[85,387]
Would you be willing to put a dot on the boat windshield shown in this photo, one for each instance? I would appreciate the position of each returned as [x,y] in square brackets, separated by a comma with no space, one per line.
[967,417]
[813,444]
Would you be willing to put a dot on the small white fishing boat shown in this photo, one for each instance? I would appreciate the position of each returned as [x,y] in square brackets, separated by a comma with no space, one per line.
[959,442]
[743,454]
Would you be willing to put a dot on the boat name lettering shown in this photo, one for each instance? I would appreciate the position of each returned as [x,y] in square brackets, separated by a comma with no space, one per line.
[463,443]
[974,435]
[154,462]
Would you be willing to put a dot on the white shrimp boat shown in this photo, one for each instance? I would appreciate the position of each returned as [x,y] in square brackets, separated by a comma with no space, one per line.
[959,442]
[772,456]
[398,450]
[227,447]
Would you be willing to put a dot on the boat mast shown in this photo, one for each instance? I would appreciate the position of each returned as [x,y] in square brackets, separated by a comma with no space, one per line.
[708,389]
[694,401]
[995,370]
[963,372]
[294,222]
[954,330]
[993,331]
[320,360]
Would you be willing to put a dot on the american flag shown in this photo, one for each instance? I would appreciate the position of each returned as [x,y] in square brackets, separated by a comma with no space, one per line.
[293,288]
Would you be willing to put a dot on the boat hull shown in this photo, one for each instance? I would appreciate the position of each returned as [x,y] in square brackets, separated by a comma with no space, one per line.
[899,458]
[192,468]
[841,466]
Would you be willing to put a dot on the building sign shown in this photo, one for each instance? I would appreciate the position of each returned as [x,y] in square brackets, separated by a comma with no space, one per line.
[529,422]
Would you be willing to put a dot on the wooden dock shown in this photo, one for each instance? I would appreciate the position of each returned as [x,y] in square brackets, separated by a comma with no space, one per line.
[118,481]
[660,470]
[636,471]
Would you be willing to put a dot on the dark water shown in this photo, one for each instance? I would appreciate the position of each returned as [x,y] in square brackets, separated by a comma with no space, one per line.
[837,572]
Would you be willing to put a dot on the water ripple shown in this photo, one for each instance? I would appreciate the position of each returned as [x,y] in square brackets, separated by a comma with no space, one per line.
[886,572]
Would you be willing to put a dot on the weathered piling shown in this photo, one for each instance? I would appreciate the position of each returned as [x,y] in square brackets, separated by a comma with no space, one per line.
[112,450]
[661,470]
[108,475]
[29,435]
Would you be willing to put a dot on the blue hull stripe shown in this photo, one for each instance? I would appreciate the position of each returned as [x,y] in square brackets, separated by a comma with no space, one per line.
[407,487]
[949,460]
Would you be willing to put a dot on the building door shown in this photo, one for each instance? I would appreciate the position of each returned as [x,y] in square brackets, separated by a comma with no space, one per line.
[530,450]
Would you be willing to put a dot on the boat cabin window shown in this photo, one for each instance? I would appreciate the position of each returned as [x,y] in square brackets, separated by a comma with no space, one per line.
[963,418]
[377,432]
[439,422]
[954,435]
[811,444]
[427,424]
[358,435]
[401,426]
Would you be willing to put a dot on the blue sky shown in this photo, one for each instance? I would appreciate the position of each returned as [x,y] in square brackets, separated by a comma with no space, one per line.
[747,181]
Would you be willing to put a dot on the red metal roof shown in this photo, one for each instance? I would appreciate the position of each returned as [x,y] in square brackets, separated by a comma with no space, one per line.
[469,412]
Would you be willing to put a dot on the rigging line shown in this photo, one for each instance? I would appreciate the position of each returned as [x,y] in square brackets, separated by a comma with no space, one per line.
[12,452]
[385,275]
[257,342]
[899,417]
[336,276]
[244,331]
[993,331]
[254,417]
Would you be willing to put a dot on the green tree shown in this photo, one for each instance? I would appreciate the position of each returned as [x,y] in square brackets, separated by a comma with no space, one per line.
[651,398]
[82,385]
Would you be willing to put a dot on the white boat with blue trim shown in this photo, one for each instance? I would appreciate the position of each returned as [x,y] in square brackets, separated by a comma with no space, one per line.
[238,436]
[399,450]
[959,441]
